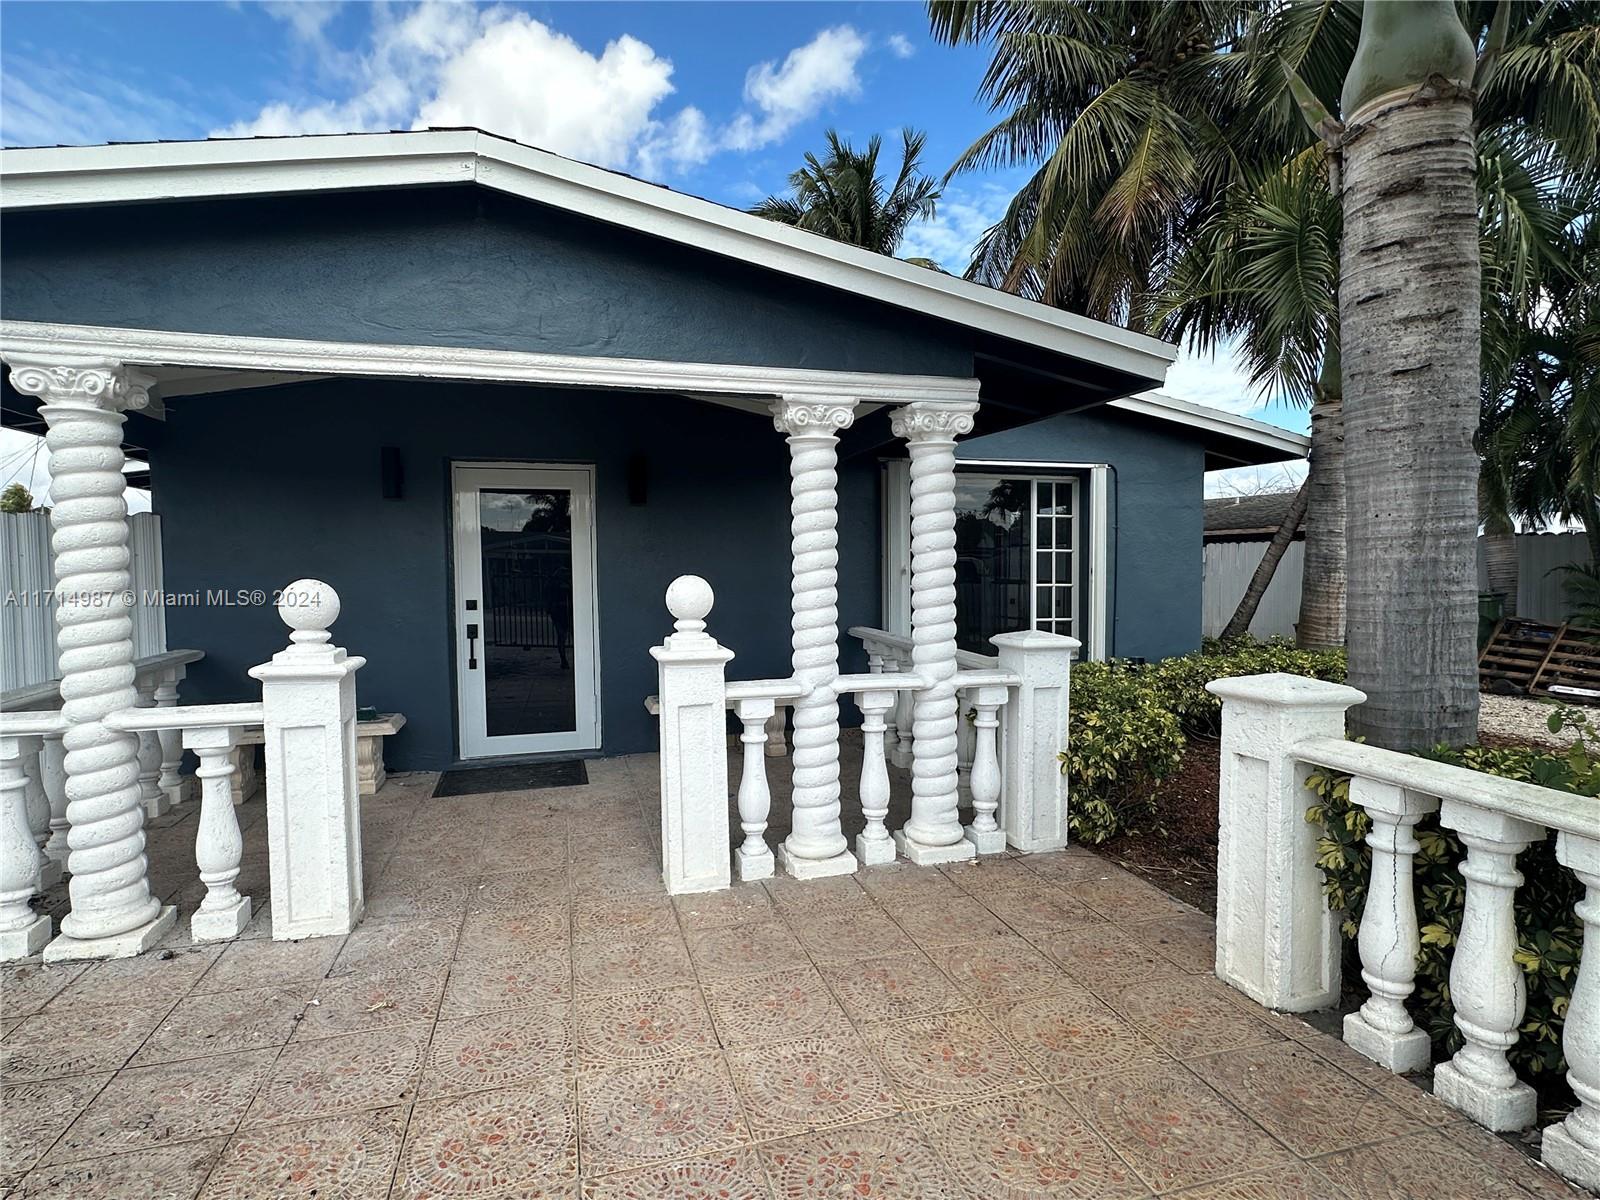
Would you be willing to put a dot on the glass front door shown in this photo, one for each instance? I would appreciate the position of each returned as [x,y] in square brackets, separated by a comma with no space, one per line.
[525,610]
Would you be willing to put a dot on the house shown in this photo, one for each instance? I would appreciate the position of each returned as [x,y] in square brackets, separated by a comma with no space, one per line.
[1248,518]
[501,399]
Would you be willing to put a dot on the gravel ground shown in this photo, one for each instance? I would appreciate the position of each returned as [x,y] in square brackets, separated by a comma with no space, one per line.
[1520,717]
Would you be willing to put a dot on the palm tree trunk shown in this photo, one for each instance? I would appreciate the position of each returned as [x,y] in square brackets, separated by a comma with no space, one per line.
[1500,562]
[1239,624]
[1409,320]
[1322,584]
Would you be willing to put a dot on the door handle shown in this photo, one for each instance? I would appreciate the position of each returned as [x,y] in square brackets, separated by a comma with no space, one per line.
[472,647]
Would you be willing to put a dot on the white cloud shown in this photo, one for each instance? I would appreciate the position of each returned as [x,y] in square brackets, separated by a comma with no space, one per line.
[307,19]
[47,101]
[783,96]
[443,63]
[1218,380]
[900,45]
[964,212]
[527,82]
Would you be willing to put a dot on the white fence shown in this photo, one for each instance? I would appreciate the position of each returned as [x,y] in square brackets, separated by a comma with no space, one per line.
[1229,566]
[27,615]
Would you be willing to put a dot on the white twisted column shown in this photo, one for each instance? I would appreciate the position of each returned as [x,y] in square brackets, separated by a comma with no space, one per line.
[933,834]
[113,913]
[816,844]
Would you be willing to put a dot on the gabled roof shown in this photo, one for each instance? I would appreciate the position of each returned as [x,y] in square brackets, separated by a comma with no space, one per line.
[68,176]
[1230,440]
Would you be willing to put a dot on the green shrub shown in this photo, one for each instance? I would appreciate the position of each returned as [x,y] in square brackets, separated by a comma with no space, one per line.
[1128,723]
[1121,741]
[1549,934]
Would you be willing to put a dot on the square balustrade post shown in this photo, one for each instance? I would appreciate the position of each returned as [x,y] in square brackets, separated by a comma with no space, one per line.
[1034,806]
[308,698]
[1277,942]
[696,855]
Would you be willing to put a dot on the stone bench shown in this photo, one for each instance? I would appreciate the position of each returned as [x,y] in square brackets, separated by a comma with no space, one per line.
[369,754]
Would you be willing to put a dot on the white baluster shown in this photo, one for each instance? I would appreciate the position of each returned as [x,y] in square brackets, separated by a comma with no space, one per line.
[816,844]
[38,809]
[113,913]
[22,931]
[1573,1147]
[985,833]
[892,737]
[754,857]
[150,754]
[1486,984]
[933,834]
[218,844]
[777,735]
[170,782]
[1389,939]
[874,846]
[53,774]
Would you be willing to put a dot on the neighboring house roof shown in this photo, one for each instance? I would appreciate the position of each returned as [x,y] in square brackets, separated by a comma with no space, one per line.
[1246,518]
[125,173]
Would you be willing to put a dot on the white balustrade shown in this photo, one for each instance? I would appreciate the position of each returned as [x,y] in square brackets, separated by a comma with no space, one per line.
[150,753]
[23,931]
[875,695]
[37,804]
[53,774]
[985,833]
[1486,986]
[170,780]
[1273,924]
[1389,938]
[756,703]
[1573,1146]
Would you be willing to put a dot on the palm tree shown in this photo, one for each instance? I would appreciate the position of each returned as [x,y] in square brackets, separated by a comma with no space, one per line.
[1128,111]
[842,197]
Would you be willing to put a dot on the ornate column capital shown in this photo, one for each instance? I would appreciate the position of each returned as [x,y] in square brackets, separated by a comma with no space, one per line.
[933,420]
[82,383]
[802,416]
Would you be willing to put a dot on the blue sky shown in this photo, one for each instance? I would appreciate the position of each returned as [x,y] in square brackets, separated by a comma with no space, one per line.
[720,100]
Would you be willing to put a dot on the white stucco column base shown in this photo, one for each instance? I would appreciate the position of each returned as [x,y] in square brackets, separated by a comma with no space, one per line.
[815,868]
[1566,1155]
[991,842]
[750,867]
[118,945]
[1503,1109]
[220,924]
[874,852]
[24,942]
[1401,1053]
[928,856]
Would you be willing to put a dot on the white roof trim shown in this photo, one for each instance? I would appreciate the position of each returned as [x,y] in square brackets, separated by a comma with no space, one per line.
[224,354]
[84,175]
[1213,420]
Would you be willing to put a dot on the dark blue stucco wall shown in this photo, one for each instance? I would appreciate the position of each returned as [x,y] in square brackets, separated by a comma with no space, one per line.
[261,487]
[455,266]
[1155,520]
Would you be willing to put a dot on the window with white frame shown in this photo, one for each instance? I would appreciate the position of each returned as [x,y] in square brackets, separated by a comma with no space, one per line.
[1017,557]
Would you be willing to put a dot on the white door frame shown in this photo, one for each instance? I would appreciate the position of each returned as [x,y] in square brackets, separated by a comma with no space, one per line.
[466,478]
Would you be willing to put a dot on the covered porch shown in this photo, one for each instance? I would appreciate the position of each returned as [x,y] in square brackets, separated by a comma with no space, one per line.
[526,1010]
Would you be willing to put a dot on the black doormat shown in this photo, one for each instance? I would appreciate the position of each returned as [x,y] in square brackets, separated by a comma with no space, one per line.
[475,781]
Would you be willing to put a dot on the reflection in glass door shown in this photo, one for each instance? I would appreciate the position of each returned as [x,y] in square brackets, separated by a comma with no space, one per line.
[525,610]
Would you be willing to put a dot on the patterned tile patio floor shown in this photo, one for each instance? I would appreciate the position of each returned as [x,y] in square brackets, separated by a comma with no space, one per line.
[525,1013]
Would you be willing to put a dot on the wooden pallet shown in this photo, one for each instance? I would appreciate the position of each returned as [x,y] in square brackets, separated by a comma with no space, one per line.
[1532,656]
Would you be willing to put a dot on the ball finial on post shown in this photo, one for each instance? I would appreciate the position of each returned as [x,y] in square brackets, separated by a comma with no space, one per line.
[689,599]
[308,607]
